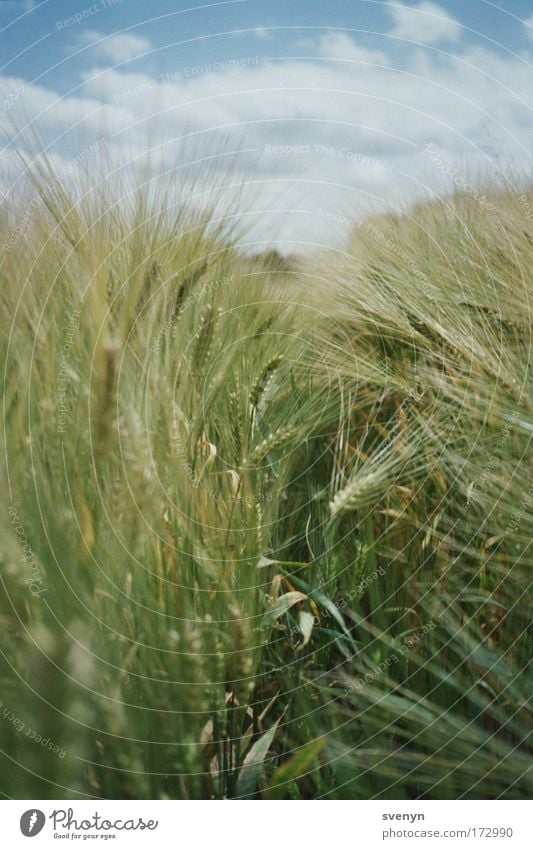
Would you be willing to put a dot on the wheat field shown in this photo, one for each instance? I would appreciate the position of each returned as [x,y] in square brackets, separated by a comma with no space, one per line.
[268,519]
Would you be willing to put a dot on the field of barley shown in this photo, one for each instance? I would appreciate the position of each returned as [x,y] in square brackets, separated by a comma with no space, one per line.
[268,519]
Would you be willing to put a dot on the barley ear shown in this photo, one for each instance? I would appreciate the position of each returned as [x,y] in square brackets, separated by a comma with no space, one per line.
[235,419]
[106,388]
[273,441]
[261,384]
[205,337]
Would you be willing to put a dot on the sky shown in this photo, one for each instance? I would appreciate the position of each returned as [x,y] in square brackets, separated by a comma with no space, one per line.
[313,113]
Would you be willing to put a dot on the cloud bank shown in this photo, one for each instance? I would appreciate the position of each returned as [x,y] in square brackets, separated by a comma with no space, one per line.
[311,140]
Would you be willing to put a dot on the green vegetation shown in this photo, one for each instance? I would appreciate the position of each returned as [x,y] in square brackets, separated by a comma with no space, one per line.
[267,522]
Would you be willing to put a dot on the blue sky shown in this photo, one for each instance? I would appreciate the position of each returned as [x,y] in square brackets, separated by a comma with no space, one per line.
[332,108]
[34,36]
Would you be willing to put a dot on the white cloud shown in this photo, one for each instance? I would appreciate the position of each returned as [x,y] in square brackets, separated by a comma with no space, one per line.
[262,32]
[339,45]
[309,135]
[528,24]
[115,48]
[427,23]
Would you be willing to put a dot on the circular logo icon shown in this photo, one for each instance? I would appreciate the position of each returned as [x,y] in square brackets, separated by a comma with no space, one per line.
[32,822]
